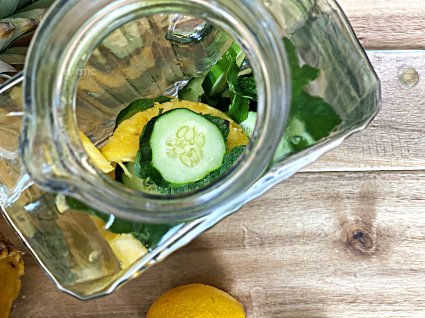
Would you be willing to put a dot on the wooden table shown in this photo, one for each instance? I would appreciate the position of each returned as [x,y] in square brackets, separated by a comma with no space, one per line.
[344,238]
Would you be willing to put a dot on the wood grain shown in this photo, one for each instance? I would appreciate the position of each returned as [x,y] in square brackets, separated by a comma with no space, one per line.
[395,139]
[346,238]
[387,24]
[320,245]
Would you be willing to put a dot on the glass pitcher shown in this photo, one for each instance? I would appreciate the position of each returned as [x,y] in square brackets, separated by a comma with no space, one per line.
[90,59]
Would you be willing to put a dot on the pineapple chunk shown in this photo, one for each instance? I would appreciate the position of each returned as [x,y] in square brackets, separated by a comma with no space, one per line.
[11,271]
[126,247]
[95,155]
[124,143]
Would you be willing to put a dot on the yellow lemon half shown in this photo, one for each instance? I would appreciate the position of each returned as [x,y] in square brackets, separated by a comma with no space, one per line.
[196,301]
[124,143]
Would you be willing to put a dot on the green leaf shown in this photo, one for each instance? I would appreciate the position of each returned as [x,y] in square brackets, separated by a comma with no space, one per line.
[8,7]
[221,123]
[149,234]
[220,102]
[239,108]
[300,76]
[37,4]
[319,118]
[75,204]
[152,234]
[233,77]
[248,87]
[137,106]
[242,91]
[244,86]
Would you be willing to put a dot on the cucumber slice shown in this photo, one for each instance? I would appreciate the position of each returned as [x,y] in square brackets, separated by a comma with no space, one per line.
[180,147]
[146,185]
[295,138]
[215,81]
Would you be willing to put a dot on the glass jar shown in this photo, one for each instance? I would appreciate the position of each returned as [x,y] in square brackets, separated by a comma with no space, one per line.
[86,65]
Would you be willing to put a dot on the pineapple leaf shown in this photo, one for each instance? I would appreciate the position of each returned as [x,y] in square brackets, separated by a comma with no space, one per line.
[38,4]
[6,68]
[23,3]
[14,55]
[18,20]
[15,26]
[8,7]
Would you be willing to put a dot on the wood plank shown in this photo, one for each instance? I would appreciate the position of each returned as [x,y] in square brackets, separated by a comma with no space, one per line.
[395,139]
[319,245]
[387,24]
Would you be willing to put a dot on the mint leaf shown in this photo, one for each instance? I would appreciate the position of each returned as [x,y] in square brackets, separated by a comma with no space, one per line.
[233,77]
[300,76]
[222,124]
[247,87]
[149,234]
[239,108]
[319,118]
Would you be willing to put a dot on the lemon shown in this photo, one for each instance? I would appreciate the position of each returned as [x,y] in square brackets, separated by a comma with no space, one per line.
[124,143]
[196,301]
[95,155]
[126,248]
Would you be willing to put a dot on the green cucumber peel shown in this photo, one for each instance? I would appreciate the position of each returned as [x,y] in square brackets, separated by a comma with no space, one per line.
[229,161]
[138,106]
[215,81]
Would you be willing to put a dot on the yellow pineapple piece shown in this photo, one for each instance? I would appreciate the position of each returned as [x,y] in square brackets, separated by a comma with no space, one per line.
[95,155]
[124,143]
[126,247]
[11,271]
